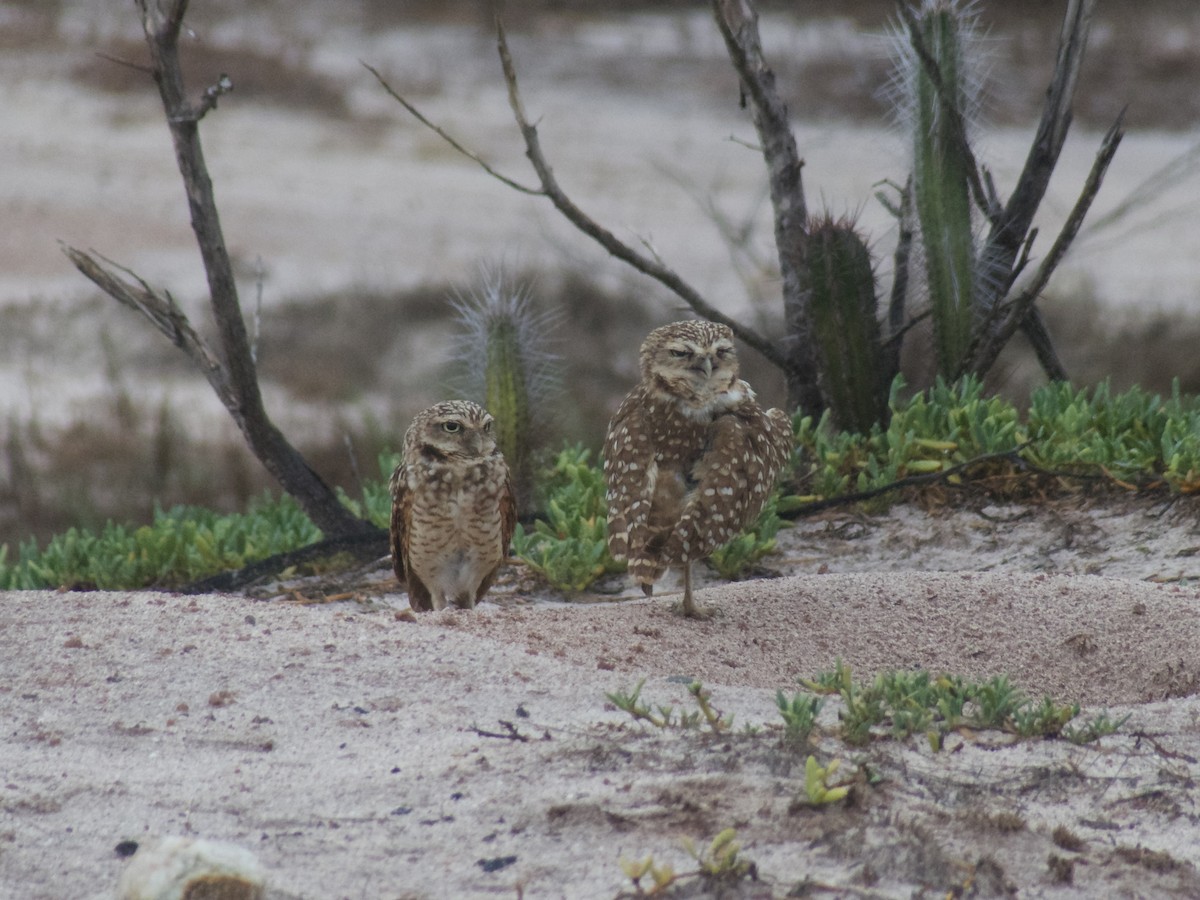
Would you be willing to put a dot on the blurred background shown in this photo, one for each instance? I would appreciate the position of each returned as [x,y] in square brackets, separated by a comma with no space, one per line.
[353,227]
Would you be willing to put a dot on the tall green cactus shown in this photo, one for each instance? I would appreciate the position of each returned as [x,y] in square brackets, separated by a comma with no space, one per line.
[503,363]
[941,173]
[854,369]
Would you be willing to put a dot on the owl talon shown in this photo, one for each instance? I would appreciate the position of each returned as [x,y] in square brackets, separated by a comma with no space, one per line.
[689,610]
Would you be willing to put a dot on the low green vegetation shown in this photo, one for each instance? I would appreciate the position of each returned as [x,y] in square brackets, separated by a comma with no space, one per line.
[894,705]
[952,432]
[901,704]
[1133,439]
[180,545]
[375,504]
[568,546]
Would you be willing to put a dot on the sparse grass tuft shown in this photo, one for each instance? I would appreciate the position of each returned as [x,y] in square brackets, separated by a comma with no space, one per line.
[666,717]
[799,716]
[721,860]
[720,863]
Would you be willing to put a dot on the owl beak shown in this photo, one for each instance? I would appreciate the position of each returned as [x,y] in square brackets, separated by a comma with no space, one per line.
[707,364]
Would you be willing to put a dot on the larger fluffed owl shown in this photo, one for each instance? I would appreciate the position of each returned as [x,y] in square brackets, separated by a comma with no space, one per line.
[453,511]
[690,457]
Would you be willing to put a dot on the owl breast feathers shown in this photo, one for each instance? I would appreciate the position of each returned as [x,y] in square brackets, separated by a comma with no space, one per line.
[690,456]
[453,510]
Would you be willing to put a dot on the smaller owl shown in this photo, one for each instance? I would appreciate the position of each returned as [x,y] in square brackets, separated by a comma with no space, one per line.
[453,510]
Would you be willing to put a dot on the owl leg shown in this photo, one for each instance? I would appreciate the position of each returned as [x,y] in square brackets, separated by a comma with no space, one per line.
[688,608]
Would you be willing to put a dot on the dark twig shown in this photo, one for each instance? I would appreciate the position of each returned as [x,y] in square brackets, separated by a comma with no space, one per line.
[1033,326]
[1023,259]
[365,546]
[510,732]
[900,272]
[894,338]
[128,63]
[922,480]
[551,190]
[1013,456]
[162,312]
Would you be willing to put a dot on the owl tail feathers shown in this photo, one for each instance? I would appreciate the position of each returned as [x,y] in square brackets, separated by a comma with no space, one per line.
[645,572]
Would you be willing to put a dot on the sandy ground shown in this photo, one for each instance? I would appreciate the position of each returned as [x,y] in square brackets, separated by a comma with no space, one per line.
[359,753]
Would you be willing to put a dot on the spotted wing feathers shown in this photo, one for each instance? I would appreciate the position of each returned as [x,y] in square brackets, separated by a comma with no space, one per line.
[419,597]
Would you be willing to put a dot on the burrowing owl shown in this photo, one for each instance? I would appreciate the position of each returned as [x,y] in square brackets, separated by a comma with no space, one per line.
[453,510]
[690,457]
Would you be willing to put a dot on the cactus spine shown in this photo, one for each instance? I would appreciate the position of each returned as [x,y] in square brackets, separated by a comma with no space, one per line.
[853,366]
[941,167]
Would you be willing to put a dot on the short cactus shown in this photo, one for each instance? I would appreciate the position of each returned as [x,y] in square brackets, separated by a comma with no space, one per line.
[854,369]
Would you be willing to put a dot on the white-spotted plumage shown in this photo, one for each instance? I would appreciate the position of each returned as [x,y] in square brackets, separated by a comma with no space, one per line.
[453,510]
[690,457]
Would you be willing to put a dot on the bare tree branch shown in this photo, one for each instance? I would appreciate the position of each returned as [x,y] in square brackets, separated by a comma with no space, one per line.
[232,373]
[551,190]
[1033,326]
[901,262]
[604,237]
[1007,234]
[1006,317]
[753,267]
[445,136]
[737,21]
[160,309]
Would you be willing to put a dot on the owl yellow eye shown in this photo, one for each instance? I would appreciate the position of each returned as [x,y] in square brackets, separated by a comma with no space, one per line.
[451,427]
[487,426]
[678,354]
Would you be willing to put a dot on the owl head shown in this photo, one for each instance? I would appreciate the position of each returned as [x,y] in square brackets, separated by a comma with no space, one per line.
[452,429]
[694,364]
